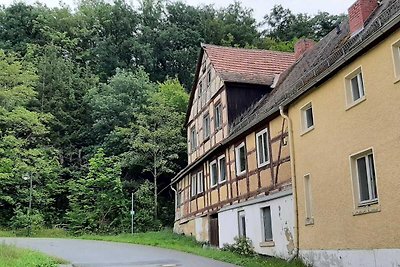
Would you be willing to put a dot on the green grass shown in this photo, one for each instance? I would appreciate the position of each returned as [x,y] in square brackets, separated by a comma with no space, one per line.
[53,233]
[167,239]
[11,256]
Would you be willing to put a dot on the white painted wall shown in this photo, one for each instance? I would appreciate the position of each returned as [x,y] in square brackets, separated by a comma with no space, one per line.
[282,225]
[352,258]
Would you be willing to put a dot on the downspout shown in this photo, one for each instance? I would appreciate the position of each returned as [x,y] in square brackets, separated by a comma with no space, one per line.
[294,184]
[176,203]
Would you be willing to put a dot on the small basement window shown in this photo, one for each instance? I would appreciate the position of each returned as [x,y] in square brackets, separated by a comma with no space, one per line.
[242,223]
[364,178]
[355,90]
[307,118]
[267,224]
[240,158]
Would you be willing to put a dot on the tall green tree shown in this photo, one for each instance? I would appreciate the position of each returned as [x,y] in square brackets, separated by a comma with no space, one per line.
[97,200]
[24,143]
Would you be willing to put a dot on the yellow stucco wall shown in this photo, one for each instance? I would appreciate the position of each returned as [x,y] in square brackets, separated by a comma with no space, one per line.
[324,153]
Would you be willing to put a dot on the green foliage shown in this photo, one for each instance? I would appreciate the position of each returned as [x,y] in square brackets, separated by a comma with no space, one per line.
[29,223]
[24,144]
[283,25]
[242,246]
[170,240]
[144,219]
[18,257]
[97,201]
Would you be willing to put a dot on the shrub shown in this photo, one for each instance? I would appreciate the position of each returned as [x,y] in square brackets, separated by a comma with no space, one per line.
[242,246]
[21,220]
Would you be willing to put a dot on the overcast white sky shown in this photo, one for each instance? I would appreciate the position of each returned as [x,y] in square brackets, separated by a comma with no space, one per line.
[260,7]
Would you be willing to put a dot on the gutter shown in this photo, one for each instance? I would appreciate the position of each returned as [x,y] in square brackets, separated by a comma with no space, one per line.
[294,184]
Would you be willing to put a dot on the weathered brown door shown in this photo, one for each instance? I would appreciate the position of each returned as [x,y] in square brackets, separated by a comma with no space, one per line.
[214,237]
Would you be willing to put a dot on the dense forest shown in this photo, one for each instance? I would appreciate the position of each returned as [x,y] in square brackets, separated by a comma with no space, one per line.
[93,100]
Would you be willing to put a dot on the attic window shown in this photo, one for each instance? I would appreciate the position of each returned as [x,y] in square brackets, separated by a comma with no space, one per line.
[209,78]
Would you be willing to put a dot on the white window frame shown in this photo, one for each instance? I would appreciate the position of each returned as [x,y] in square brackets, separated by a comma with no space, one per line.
[304,121]
[193,139]
[358,203]
[212,173]
[237,159]
[242,228]
[193,185]
[200,182]
[358,74]
[264,239]
[219,169]
[206,126]
[218,116]
[209,78]
[396,60]
[308,207]
[266,154]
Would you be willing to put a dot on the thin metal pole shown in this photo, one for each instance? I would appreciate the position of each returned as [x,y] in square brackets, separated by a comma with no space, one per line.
[30,205]
[132,214]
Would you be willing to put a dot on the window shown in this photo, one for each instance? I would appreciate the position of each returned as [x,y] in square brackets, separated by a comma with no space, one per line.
[242,224]
[308,199]
[200,182]
[364,178]
[240,154]
[209,78]
[218,116]
[355,87]
[214,173]
[206,126]
[193,141]
[396,59]
[222,169]
[267,223]
[193,185]
[200,89]
[307,118]
[179,198]
[262,148]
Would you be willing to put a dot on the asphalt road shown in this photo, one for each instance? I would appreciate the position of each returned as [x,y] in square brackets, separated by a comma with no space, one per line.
[87,253]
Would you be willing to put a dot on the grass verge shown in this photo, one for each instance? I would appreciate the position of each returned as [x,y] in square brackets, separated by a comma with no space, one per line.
[167,239]
[11,256]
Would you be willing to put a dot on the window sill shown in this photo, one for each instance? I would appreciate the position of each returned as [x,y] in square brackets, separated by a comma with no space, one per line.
[261,165]
[222,182]
[371,208]
[241,174]
[267,244]
[309,221]
[397,80]
[307,130]
[355,103]
[206,139]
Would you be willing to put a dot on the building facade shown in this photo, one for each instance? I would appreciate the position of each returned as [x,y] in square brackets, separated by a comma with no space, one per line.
[310,167]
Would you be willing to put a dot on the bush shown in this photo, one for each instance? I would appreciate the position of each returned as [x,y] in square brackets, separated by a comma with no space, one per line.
[21,221]
[242,246]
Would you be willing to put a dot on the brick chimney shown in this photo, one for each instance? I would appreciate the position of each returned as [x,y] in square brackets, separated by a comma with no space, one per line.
[302,46]
[359,12]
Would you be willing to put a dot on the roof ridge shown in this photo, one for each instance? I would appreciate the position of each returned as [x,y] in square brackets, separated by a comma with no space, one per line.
[245,49]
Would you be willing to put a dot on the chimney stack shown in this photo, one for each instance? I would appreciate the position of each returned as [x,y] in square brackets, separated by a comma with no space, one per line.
[359,13]
[302,46]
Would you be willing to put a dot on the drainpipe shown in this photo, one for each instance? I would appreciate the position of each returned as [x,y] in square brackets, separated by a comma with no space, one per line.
[294,184]
[176,196]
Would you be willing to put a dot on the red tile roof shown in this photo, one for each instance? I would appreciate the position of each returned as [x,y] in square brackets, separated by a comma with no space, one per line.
[248,65]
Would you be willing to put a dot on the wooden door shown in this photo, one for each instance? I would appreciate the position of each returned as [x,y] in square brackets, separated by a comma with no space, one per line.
[214,236]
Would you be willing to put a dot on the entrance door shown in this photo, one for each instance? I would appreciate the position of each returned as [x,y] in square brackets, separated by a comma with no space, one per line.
[214,236]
